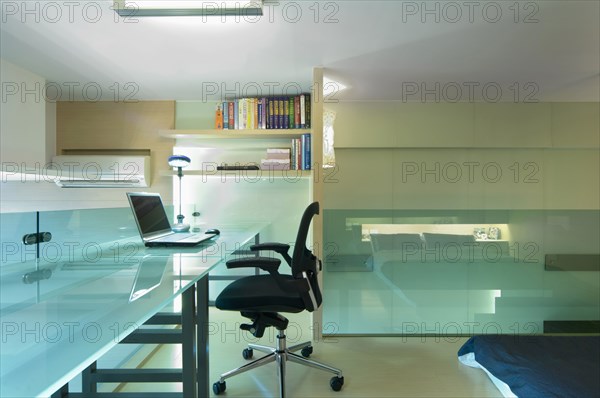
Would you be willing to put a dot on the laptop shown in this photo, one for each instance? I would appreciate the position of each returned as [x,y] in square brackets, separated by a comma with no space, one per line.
[148,277]
[153,223]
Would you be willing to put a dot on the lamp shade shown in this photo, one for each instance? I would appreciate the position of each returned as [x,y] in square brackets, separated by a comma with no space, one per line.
[179,161]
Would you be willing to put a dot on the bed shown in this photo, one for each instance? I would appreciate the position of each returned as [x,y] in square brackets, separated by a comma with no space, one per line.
[537,366]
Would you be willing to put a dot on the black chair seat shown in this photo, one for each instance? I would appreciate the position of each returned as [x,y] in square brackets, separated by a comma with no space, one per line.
[259,293]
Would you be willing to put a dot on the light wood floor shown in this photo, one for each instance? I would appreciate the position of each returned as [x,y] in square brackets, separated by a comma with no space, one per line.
[372,366]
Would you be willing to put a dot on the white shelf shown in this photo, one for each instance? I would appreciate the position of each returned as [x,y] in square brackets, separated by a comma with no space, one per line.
[250,174]
[234,134]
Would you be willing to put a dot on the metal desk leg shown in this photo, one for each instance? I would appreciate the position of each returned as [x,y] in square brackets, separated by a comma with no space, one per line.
[62,392]
[88,384]
[188,345]
[202,336]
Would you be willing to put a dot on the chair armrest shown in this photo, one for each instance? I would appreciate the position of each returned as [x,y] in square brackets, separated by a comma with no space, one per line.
[274,246]
[268,264]
[271,266]
[279,248]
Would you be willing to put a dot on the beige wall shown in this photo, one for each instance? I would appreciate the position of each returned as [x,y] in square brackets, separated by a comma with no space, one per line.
[120,125]
[23,122]
[394,155]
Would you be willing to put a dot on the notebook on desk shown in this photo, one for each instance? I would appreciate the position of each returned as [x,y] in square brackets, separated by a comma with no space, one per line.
[153,224]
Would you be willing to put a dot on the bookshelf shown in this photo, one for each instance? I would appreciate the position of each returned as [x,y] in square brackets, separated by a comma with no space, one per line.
[255,139]
[250,174]
[250,140]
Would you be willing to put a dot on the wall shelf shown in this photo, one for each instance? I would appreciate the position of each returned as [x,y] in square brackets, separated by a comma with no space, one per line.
[234,134]
[249,174]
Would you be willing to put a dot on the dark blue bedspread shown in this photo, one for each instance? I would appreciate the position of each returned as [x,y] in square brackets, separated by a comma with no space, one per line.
[541,366]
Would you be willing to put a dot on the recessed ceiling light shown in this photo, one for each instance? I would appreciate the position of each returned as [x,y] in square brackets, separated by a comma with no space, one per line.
[175,8]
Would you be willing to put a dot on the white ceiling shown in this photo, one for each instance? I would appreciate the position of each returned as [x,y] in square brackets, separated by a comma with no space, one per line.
[382,50]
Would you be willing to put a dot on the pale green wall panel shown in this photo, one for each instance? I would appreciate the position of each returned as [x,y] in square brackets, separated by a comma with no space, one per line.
[362,180]
[513,125]
[571,179]
[364,124]
[576,125]
[433,125]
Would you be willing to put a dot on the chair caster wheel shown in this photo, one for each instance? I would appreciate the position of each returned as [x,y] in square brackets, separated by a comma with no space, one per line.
[248,353]
[336,383]
[219,387]
[306,351]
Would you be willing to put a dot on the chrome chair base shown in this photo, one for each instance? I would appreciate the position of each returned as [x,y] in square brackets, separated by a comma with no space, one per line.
[280,354]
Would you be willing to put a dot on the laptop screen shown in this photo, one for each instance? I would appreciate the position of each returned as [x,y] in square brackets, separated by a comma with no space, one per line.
[150,213]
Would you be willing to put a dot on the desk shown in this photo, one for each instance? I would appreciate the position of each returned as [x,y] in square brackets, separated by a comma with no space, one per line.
[54,329]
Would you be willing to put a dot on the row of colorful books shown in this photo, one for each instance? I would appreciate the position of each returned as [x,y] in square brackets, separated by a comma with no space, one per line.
[297,157]
[288,112]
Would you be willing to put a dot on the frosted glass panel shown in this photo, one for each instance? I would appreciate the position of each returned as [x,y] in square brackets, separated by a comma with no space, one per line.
[439,272]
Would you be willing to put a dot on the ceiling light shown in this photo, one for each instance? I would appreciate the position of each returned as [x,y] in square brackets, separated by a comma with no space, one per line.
[177,8]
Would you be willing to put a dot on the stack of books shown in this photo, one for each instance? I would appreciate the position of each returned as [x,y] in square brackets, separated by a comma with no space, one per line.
[277,159]
[286,112]
[298,157]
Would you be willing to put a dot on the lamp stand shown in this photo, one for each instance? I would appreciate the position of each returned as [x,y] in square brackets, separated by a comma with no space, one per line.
[180,226]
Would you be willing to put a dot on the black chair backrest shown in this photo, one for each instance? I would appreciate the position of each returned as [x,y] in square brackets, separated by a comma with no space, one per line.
[303,260]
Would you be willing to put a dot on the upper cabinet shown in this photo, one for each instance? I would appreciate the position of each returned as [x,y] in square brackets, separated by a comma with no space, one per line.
[389,124]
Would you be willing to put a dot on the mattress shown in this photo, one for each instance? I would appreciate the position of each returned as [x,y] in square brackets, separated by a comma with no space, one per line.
[537,366]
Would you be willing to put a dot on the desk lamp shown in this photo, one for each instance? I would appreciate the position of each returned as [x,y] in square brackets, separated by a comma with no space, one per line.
[179,161]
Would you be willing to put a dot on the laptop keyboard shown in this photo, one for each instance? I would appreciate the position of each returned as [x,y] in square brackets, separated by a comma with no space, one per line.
[175,237]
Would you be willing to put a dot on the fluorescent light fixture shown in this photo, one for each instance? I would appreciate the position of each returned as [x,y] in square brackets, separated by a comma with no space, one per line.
[183,8]
[330,86]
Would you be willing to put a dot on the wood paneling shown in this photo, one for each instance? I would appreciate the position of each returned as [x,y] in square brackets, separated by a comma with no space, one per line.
[118,127]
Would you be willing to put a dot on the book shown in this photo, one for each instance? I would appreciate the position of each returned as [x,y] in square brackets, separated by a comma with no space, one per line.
[243,113]
[297,142]
[297,112]
[259,113]
[255,115]
[232,124]
[225,115]
[278,153]
[290,105]
[275,164]
[219,118]
[275,124]
[306,152]
[285,120]
[307,108]
[264,113]
[281,112]
[250,113]
[302,111]
[236,110]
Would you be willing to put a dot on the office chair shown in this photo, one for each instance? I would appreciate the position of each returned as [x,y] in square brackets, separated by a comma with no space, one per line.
[261,297]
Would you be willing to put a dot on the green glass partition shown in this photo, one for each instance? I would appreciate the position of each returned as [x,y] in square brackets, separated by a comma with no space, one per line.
[383,275]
